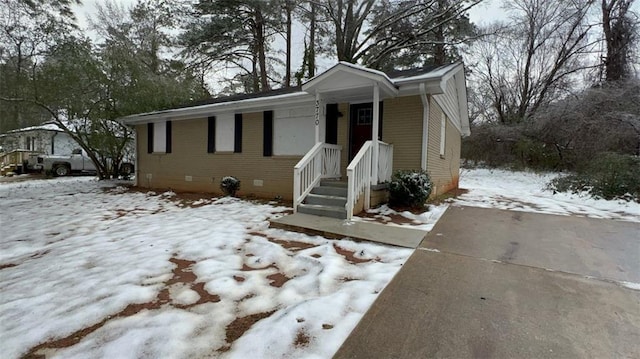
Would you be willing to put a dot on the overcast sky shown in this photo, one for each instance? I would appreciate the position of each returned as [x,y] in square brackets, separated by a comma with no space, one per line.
[485,12]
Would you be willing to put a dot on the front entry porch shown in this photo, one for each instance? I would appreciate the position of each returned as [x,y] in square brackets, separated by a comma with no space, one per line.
[320,184]
[318,188]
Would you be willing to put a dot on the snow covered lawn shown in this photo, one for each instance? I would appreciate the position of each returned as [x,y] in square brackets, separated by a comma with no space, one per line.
[510,190]
[525,191]
[93,272]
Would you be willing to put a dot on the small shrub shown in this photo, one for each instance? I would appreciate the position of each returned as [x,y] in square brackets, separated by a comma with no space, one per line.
[229,185]
[608,176]
[409,188]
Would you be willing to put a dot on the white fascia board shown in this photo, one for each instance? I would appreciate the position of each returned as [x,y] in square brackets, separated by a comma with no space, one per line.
[377,76]
[441,75]
[463,104]
[362,68]
[255,104]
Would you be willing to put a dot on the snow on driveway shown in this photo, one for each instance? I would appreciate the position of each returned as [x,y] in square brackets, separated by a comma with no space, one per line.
[87,272]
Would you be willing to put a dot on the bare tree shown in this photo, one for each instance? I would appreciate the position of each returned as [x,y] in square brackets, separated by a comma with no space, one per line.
[367,36]
[598,119]
[534,58]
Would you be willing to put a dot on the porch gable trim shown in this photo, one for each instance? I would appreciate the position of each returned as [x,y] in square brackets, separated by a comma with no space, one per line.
[377,77]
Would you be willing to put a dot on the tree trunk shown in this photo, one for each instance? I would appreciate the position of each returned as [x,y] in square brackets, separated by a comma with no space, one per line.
[255,82]
[287,75]
[262,58]
[439,53]
[311,59]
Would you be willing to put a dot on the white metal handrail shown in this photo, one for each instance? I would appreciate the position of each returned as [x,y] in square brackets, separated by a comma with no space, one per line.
[359,178]
[322,161]
[385,162]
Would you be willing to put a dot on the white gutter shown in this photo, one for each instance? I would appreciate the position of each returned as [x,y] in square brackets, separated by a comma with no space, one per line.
[425,126]
[256,103]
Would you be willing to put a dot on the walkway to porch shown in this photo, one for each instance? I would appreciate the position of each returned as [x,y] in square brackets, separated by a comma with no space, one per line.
[356,230]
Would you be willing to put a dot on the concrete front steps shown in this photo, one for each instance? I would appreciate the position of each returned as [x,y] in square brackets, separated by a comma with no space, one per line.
[326,200]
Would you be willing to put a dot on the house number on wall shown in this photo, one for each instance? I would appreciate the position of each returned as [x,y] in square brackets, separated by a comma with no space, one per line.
[317,112]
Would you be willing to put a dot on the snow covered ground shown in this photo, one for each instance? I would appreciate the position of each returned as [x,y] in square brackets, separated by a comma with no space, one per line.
[88,272]
[94,269]
[525,191]
[517,191]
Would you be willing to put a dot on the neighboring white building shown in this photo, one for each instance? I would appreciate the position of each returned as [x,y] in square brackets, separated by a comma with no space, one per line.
[47,139]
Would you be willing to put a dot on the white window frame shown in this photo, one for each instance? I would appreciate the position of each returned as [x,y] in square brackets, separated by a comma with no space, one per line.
[160,137]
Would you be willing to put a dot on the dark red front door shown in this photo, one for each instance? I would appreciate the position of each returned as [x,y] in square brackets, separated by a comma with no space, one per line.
[361,121]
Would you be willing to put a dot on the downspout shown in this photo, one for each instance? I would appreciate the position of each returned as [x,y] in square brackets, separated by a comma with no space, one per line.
[425,125]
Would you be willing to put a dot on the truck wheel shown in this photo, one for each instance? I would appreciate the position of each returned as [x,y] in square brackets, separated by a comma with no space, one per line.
[61,170]
[126,169]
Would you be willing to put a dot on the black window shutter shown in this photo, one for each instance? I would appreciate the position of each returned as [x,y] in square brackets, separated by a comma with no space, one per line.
[211,135]
[267,148]
[150,137]
[237,135]
[168,137]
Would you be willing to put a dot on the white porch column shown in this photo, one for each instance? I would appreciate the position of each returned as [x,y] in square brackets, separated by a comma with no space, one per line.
[374,134]
[318,109]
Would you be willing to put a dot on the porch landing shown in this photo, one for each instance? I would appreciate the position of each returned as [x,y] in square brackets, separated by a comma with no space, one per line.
[356,230]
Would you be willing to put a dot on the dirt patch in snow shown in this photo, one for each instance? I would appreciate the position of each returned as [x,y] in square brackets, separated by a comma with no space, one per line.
[349,255]
[240,325]
[291,245]
[302,339]
[446,197]
[246,268]
[182,274]
[8,265]
[277,279]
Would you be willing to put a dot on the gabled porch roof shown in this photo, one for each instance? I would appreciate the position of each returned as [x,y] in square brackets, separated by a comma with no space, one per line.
[345,81]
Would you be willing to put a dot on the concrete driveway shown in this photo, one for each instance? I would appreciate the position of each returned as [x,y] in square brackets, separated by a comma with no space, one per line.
[489,283]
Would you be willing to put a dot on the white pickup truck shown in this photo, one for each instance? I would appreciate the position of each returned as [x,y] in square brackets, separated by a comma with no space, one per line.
[77,162]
